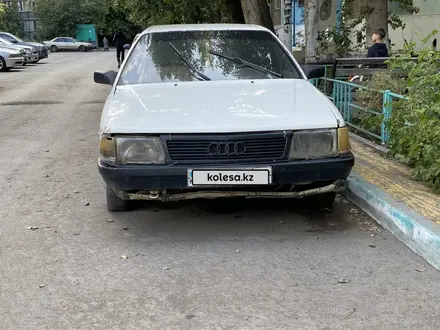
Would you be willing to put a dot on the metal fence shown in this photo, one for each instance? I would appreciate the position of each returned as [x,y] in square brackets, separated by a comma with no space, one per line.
[343,95]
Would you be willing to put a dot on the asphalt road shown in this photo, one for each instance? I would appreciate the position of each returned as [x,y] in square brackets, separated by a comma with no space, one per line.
[193,265]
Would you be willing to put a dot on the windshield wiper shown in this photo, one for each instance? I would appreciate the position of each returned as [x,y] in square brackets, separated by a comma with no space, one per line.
[246,63]
[201,75]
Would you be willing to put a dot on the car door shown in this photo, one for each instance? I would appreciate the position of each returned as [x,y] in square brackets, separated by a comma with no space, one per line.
[58,42]
[69,43]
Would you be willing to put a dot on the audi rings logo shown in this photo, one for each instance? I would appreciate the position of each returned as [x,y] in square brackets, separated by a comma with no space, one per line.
[227,148]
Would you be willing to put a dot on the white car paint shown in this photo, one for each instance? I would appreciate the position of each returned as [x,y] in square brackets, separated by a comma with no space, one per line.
[217,106]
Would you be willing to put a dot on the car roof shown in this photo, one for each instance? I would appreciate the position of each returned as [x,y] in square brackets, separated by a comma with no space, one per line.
[202,27]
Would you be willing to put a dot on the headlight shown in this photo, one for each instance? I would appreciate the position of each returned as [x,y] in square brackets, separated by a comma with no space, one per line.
[132,150]
[314,144]
[15,56]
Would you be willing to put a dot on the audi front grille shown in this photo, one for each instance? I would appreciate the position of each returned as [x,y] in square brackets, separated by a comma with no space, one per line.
[227,148]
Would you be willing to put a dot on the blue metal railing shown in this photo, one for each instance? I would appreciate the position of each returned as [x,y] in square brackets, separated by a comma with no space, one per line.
[341,93]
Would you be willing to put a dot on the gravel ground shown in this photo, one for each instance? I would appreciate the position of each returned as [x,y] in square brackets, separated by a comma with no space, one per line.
[192,265]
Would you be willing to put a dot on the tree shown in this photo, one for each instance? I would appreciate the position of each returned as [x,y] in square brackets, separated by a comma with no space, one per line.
[60,17]
[10,18]
[311,28]
[115,18]
[151,12]
[361,18]
[257,12]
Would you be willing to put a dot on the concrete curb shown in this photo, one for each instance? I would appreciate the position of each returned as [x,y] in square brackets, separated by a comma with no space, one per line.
[416,231]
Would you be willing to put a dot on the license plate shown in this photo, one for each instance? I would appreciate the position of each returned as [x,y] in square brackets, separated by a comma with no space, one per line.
[230,177]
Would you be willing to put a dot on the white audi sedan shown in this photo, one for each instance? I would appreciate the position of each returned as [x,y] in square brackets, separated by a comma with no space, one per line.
[216,111]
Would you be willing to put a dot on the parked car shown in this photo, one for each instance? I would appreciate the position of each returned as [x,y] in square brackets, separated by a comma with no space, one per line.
[29,53]
[66,43]
[214,111]
[9,58]
[41,49]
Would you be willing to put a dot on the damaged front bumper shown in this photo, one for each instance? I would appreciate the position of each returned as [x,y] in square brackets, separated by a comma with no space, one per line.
[165,196]
[292,179]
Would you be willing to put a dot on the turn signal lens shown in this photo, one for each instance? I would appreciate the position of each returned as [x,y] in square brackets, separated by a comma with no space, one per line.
[343,140]
[107,148]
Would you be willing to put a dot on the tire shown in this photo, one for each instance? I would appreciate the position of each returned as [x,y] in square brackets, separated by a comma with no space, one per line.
[81,49]
[53,49]
[115,203]
[3,67]
[321,201]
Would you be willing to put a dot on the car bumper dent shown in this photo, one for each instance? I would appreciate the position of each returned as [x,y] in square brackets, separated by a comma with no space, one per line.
[152,181]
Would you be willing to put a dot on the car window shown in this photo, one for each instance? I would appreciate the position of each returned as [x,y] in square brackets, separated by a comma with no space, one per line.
[153,60]
[58,40]
[6,41]
[12,37]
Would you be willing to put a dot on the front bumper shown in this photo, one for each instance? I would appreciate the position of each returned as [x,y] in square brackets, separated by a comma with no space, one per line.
[33,58]
[11,62]
[127,180]
[43,53]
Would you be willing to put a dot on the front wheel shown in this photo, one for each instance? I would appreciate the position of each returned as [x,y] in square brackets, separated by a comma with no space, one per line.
[3,67]
[81,49]
[53,49]
[115,203]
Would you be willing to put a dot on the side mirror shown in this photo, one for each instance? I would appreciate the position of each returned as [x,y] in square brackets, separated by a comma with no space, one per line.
[127,46]
[314,71]
[105,78]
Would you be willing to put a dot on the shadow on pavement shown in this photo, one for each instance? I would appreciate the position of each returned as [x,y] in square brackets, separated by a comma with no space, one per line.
[200,219]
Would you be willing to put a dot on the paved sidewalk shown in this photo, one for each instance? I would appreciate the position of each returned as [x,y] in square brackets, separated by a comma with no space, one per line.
[408,209]
[394,179]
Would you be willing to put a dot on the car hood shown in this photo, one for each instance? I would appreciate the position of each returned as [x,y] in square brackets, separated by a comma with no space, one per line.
[8,50]
[20,46]
[33,44]
[218,106]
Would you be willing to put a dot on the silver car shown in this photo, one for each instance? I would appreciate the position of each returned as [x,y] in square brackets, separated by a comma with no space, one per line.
[30,53]
[9,58]
[67,43]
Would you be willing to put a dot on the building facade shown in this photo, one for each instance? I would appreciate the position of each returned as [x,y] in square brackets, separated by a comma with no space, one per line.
[26,9]
[417,26]
[288,19]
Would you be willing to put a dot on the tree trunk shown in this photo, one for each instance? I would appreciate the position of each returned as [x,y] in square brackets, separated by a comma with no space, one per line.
[235,11]
[378,19]
[311,28]
[257,12]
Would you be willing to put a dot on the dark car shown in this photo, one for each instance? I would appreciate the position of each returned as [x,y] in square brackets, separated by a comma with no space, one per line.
[41,49]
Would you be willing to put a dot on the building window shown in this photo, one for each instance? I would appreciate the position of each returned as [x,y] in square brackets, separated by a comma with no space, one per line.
[20,5]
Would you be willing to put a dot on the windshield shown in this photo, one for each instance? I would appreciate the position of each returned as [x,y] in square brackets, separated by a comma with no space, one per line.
[218,55]
[11,38]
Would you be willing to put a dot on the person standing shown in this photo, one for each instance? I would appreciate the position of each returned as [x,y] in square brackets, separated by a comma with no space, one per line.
[119,40]
[378,49]
[105,43]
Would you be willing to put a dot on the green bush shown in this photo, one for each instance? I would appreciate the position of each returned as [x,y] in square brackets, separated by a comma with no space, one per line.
[372,99]
[415,128]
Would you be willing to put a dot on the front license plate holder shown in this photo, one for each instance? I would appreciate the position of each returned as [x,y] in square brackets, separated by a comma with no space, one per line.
[200,177]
